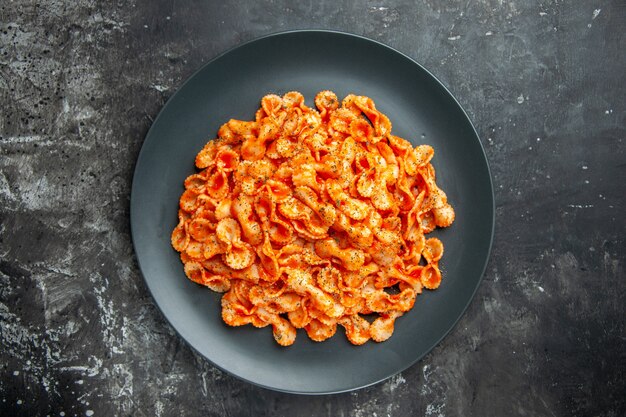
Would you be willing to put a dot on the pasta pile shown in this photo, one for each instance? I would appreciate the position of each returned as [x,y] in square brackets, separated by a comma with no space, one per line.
[309,219]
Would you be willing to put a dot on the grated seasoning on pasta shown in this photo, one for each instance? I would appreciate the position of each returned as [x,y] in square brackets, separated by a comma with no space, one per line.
[256,222]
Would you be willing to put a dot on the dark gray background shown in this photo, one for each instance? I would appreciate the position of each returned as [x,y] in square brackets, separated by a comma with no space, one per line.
[544,82]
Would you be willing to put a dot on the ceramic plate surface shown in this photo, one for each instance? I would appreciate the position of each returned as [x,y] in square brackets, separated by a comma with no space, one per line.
[231,86]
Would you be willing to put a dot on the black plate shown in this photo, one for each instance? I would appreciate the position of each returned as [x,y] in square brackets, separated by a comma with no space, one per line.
[421,109]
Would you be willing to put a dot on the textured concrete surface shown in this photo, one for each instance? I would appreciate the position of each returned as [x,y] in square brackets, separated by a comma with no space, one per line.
[544,82]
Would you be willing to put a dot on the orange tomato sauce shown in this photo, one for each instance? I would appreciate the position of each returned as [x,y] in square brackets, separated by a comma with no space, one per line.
[313,218]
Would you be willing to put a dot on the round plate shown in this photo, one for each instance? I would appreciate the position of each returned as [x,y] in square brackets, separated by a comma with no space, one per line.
[421,110]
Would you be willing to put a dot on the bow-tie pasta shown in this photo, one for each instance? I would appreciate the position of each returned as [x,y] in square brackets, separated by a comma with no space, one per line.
[312,218]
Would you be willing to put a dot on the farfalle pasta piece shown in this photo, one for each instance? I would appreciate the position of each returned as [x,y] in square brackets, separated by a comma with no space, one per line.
[278,303]
[340,120]
[306,176]
[302,219]
[361,131]
[326,102]
[243,210]
[381,123]
[357,329]
[206,157]
[444,215]
[349,258]
[382,327]
[201,229]
[359,234]
[254,147]
[226,160]
[278,230]
[325,211]
[284,332]
[217,186]
[300,317]
[328,279]
[431,276]
[352,207]
[380,301]
[180,237]
[433,250]
[238,254]
[312,219]
[237,313]
[302,283]
[319,331]
[196,272]
[189,201]
[418,158]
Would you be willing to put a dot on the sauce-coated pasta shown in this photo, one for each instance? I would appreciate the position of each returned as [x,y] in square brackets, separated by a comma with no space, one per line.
[312,218]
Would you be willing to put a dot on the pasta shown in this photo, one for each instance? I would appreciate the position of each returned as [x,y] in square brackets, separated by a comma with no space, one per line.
[312,219]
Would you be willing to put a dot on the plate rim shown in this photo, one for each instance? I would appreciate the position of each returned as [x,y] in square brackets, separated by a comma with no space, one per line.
[133,203]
